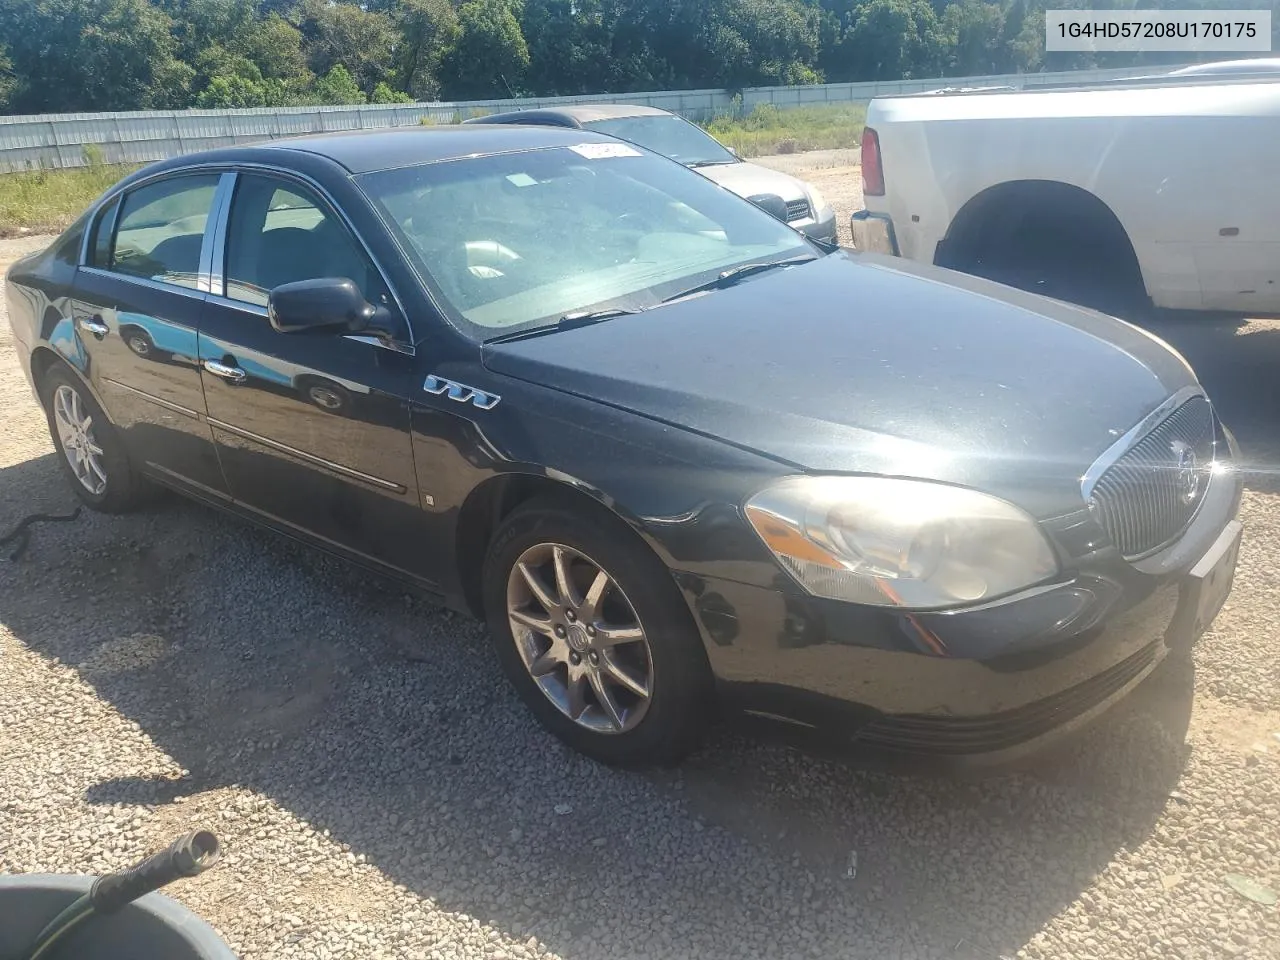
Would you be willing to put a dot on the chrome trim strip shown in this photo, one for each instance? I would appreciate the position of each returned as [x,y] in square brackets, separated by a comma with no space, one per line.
[167,404]
[309,457]
[154,284]
[187,481]
[246,306]
[1133,435]
[213,252]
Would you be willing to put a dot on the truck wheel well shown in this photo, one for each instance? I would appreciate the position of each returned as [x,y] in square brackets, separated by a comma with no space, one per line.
[1031,229]
[488,505]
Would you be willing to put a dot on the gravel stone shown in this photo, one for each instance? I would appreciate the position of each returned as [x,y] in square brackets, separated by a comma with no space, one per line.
[380,792]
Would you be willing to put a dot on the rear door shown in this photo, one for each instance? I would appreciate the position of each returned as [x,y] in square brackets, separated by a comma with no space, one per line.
[137,303]
[312,429]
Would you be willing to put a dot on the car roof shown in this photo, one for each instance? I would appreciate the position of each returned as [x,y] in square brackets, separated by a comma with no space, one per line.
[363,151]
[579,112]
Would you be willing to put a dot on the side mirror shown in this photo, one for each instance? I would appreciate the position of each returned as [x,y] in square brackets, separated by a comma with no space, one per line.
[326,303]
[771,203]
[734,151]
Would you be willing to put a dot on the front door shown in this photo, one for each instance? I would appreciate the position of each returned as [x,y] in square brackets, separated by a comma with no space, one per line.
[312,429]
[136,309]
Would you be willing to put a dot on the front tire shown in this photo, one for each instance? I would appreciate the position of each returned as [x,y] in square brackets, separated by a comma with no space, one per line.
[89,447]
[591,630]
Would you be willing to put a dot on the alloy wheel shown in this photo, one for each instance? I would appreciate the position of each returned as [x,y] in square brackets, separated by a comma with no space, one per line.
[80,446]
[580,638]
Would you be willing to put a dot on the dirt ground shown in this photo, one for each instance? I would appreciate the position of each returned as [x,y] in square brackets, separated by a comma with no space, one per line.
[381,793]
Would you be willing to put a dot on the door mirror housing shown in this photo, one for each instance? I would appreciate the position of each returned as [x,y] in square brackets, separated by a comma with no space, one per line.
[326,303]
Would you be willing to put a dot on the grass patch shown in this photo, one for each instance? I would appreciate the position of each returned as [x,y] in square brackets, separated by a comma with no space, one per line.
[46,201]
[767,130]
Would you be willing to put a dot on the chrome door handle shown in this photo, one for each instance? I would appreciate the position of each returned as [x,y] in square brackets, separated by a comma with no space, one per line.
[234,374]
[95,326]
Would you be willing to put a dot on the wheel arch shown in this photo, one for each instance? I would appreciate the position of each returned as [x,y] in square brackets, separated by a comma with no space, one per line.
[45,358]
[971,227]
[495,498]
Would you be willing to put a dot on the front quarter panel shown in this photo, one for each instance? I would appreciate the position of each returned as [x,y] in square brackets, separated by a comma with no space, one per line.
[681,492]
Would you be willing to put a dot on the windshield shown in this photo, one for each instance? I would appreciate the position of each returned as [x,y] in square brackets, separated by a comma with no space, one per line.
[670,136]
[520,240]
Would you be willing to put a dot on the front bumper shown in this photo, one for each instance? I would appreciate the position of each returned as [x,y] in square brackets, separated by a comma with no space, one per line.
[873,233]
[1001,681]
[823,229]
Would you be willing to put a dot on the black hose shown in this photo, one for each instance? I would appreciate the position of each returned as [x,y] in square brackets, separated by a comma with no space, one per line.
[187,856]
[60,926]
[21,536]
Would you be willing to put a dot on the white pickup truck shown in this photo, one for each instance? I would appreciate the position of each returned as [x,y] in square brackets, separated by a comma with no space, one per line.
[1123,195]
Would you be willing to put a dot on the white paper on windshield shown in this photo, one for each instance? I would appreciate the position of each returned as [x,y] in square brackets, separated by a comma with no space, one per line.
[522,180]
[602,151]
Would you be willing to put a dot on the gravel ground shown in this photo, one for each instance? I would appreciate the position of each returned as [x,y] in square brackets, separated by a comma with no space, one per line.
[380,793]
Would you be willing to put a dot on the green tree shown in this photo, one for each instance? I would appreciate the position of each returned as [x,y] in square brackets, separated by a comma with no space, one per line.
[490,56]
[86,54]
[196,24]
[974,34]
[8,80]
[337,87]
[889,40]
[568,46]
[363,42]
[384,94]
[428,30]
[762,42]
[275,47]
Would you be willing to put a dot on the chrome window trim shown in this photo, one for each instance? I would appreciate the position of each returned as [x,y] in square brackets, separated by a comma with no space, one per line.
[117,192]
[212,254]
[192,292]
[241,166]
[1134,434]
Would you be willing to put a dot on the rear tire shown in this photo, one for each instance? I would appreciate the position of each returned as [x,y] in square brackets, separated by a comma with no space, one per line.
[615,724]
[90,449]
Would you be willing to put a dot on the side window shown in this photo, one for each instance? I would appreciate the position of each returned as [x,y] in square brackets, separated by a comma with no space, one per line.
[279,232]
[160,229]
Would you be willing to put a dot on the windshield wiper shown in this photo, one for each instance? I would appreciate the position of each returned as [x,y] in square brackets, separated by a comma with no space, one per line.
[584,318]
[580,318]
[709,163]
[727,278]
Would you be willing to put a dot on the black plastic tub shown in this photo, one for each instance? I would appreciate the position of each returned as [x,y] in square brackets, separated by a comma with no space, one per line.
[153,927]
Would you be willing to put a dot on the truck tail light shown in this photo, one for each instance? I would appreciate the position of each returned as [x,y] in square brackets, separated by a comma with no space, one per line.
[872,171]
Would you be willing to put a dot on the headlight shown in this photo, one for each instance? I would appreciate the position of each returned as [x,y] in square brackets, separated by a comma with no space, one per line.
[899,543]
[817,201]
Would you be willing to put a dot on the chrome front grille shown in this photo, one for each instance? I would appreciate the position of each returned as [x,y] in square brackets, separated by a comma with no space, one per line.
[797,210]
[1149,494]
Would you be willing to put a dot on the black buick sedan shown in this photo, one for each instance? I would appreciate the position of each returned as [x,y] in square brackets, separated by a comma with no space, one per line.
[676,455]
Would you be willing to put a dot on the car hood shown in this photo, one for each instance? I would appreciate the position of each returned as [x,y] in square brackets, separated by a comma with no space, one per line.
[748,180]
[864,364]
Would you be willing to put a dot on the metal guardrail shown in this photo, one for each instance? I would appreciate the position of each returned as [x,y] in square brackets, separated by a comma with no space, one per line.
[60,140]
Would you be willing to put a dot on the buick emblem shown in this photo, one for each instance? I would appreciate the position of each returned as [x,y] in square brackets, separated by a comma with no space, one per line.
[1187,477]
